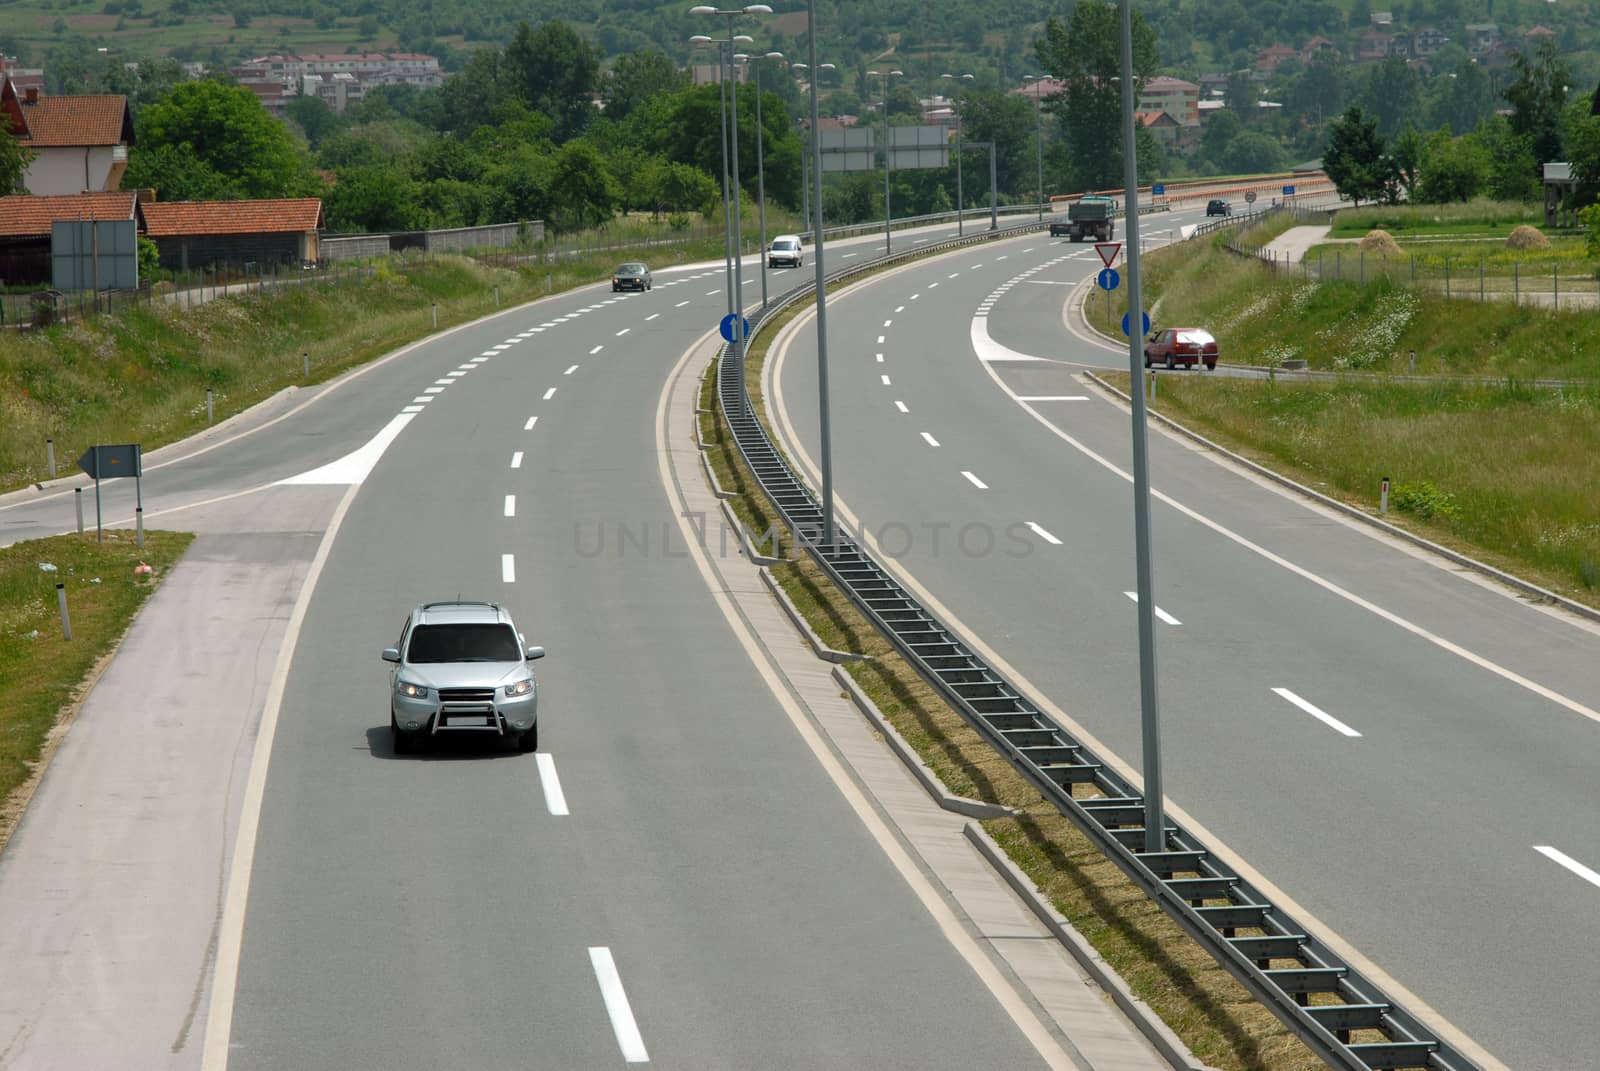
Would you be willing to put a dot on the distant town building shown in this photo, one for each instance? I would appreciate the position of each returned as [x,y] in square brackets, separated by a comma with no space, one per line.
[80,142]
[24,78]
[1481,37]
[1177,98]
[1373,45]
[369,68]
[1268,59]
[1318,46]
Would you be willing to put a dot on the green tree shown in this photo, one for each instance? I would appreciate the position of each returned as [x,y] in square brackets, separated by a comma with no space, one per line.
[1242,97]
[1465,99]
[1391,95]
[1253,152]
[374,198]
[225,129]
[1514,174]
[1582,138]
[637,77]
[149,258]
[555,71]
[1590,218]
[315,119]
[1085,53]
[14,159]
[1408,153]
[582,192]
[1453,169]
[177,174]
[1007,120]
[1319,90]
[1219,132]
[1537,97]
[1354,159]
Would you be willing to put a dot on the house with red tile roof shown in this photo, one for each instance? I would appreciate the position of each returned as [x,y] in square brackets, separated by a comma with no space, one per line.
[25,222]
[80,141]
[192,234]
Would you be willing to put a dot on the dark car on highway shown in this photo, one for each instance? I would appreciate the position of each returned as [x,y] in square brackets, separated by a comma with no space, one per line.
[1218,208]
[1173,346]
[633,276]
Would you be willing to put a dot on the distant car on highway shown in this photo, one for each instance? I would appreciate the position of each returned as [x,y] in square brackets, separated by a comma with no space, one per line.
[631,276]
[1173,346]
[461,667]
[785,252]
[1218,207]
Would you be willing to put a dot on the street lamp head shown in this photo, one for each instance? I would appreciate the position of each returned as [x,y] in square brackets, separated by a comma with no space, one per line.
[758,9]
[773,56]
[702,9]
[700,39]
[741,57]
[742,39]
[897,73]
[826,67]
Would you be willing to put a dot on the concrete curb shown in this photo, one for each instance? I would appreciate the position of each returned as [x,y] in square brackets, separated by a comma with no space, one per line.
[930,782]
[711,477]
[1160,1036]
[1524,586]
[744,546]
[824,652]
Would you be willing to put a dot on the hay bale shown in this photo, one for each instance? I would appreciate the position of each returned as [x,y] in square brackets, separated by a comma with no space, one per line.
[1526,237]
[1380,242]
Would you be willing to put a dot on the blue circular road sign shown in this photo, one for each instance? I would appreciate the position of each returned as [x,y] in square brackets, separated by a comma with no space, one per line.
[1146,316]
[1107,279]
[727,328]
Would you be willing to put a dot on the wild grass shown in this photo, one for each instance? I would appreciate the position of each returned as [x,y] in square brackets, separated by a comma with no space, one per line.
[40,671]
[140,375]
[1480,215]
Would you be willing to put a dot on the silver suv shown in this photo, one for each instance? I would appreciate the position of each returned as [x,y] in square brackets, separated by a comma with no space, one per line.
[461,667]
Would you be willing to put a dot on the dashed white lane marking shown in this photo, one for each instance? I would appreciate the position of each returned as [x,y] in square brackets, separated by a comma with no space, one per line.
[486,354]
[1028,250]
[571,370]
[611,991]
[412,409]
[932,285]
[879,357]
[457,374]
[597,349]
[1052,397]
[551,393]
[531,422]
[548,323]
[516,459]
[652,316]
[709,293]
[1002,257]
[929,439]
[482,359]
[443,382]
[1159,612]
[888,323]
[979,484]
[1327,719]
[1563,859]
[624,331]
[500,347]
[847,256]
[880,340]
[901,406]
[899,308]
[555,801]
[952,275]
[433,390]
[511,505]
[1042,534]
[421,399]
[919,241]
[885,380]
[508,568]
[680,304]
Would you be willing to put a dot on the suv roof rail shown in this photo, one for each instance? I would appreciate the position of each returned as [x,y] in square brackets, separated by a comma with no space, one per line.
[460,602]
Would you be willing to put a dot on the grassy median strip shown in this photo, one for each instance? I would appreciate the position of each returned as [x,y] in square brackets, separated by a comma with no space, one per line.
[140,375]
[42,674]
[1212,1013]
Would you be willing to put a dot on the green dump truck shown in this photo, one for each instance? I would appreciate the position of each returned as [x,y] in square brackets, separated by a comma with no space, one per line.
[1088,217]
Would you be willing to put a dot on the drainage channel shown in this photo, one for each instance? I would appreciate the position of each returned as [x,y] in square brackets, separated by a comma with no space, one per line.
[1343,1017]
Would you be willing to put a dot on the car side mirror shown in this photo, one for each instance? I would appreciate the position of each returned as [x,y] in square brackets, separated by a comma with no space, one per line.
[534,652]
[391,654]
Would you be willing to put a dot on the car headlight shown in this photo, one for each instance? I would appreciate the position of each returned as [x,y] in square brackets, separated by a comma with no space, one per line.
[522,687]
[412,691]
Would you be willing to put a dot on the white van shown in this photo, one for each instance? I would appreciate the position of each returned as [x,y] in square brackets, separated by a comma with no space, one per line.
[785,252]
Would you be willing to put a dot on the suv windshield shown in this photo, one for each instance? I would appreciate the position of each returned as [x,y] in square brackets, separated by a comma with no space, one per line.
[785,243]
[464,643]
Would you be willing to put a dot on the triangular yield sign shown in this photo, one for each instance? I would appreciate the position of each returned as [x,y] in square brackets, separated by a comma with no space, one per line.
[1108,252]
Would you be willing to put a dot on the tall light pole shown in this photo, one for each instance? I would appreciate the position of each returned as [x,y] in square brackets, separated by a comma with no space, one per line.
[821,289]
[806,161]
[761,173]
[1038,135]
[961,204]
[702,40]
[888,156]
[738,238]
[1150,723]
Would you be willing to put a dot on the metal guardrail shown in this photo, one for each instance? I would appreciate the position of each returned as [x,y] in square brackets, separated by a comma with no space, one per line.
[1347,1020]
[844,230]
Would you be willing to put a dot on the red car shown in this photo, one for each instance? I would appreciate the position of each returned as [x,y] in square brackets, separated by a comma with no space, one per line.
[1173,346]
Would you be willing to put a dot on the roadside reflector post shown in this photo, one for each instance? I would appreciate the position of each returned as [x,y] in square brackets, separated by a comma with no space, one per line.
[497,297]
[1413,360]
[435,314]
[61,601]
[50,456]
[77,500]
[1383,496]
[138,525]
[138,503]
[1152,384]
[208,405]
[305,364]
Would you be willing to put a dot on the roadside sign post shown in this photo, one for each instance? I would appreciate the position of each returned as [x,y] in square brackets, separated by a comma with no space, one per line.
[1107,279]
[113,462]
[1249,197]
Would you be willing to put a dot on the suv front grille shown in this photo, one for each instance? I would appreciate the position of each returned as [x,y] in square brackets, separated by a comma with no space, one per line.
[467,697]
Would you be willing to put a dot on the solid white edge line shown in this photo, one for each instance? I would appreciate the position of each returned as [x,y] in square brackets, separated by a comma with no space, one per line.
[1327,719]
[230,932]
[1042,534]
[622,1024]
[929,439]
[999,984]
[979,484]
[1052,397]
[516,459]
[1563,859]
[508,568]
[511,505]
[555,800]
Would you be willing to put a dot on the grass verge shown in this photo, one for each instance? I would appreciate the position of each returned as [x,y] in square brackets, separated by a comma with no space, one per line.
[1496,469]
[1479,215]
[1211,1012]
[42,675]
[141,374]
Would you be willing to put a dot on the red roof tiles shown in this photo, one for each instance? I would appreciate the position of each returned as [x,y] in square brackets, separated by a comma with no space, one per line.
[291,214]
[30,217]
[77,120]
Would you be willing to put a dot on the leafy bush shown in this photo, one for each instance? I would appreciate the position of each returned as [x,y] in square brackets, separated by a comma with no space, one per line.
[1425,500]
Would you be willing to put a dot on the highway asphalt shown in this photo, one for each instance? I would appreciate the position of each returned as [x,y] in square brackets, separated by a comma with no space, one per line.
[1404,751]
[671,878]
